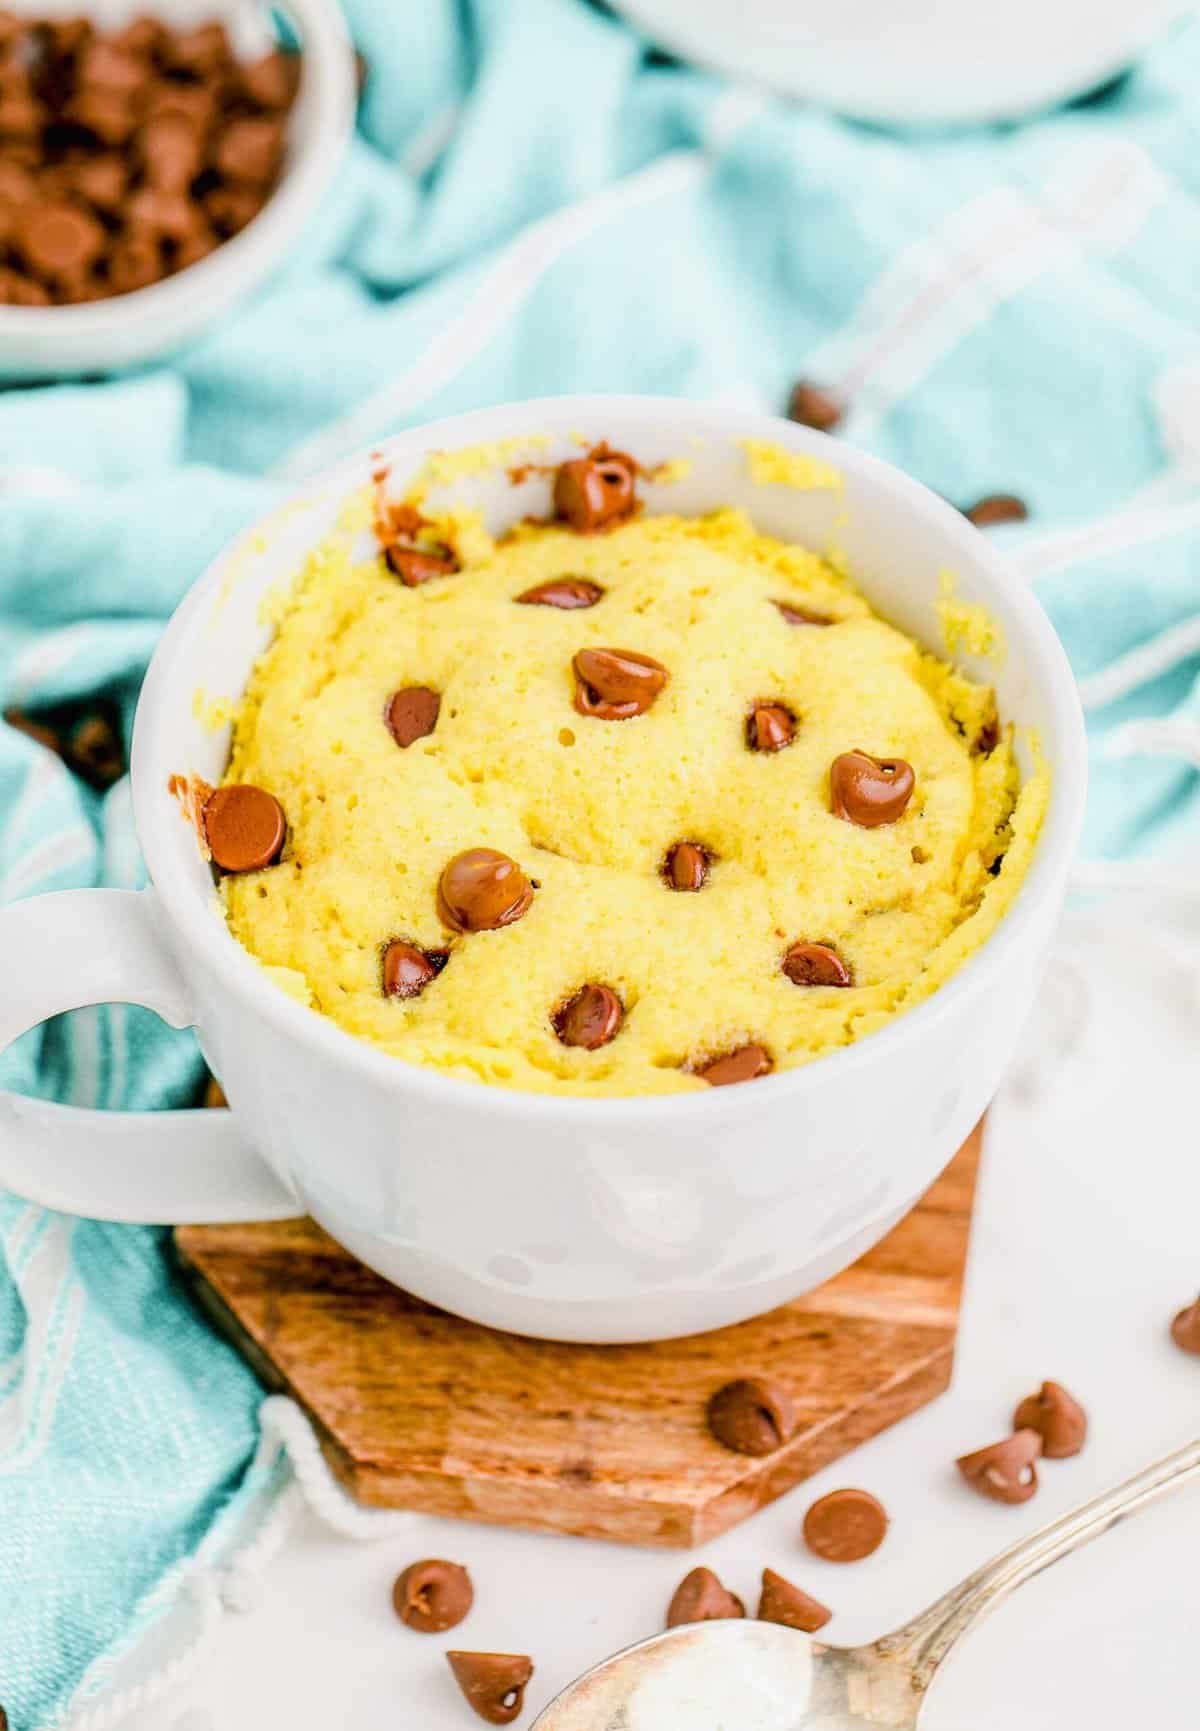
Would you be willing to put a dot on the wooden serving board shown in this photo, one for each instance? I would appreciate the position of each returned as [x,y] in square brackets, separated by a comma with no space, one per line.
[419,1410]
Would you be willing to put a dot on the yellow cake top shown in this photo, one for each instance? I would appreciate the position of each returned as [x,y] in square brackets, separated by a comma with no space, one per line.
[660,961]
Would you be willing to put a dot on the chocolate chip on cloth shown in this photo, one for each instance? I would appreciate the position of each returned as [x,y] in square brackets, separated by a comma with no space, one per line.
[614,684]
[743,1064]
[1185,1328]
[1004,1472]
[412,714]
[815,965]
[245,827]
[869,791]
[565,592]
[1057,1417]
[590,1018]
[493,1683]
[408,969]
[770,727]
[996,508]
[845,1526]
[813,407]
[751,1416]
[432,1596]
[87,739]
[481,890]
[686,866]
[597,491]
[780,1602]
[700,1598]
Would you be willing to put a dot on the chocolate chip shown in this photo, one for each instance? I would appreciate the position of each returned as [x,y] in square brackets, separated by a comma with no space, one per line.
[134,262]
[407,969]
[214,1095]
[171,152]
[412,713]
[845,1526]
[103,181]
[700,1598]
[869,791]
[751,1417]
[416,565]
[996,508]
[815,965]
[271,82]
[493,1683]
[230,209]
[432,1596]
[686,866]
[596,491]
[58,240]
[770,726]
[1005,1471]
[3,1720]
[481,889]
[614,684]
[566,592]
[590,1018]
[245,827]
[201,51]
[1057,1417]
[813,407]
[18,290]
[743,1064]
[249,151]
[780,1602]
[94,749]
[796,615]
[1185,1329]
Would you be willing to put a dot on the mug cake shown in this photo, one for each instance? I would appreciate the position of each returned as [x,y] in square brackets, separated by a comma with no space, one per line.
[612,804]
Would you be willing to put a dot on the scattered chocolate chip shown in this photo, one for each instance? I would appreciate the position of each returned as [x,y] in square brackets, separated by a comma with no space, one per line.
[815,965]
[813,407]
[1057,1417]
[1005,1471]
[700,1598]
[751,1416]
[996,508]
[590,1018]
[796,615]
[87,739]
[481,889]
[686,866]
[565,592]
[412,713]
[408,969]
[432,1596]
[743,1064]
[416,565]
[493,1683]
[214,1099]
[845,1526]
[613,684]
[770,727]
[596,491]
[245,827]
[1185,1329]
[869,791]
[780,1602]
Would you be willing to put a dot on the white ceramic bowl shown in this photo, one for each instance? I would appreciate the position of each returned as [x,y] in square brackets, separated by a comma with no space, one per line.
[913,62]
[578,1219]
[102,336]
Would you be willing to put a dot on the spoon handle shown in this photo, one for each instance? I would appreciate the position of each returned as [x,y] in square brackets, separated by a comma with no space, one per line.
[929,1637]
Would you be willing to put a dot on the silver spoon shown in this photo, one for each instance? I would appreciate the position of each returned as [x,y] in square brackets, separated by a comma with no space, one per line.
[748,1676]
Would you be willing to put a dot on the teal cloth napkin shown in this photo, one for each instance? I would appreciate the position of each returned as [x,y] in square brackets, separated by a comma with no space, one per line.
[535,203]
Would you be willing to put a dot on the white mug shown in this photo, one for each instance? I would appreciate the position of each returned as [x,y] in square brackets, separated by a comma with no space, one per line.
[569,1218]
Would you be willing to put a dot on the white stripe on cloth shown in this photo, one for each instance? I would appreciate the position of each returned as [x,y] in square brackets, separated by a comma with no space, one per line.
[53,1301]
[71,846]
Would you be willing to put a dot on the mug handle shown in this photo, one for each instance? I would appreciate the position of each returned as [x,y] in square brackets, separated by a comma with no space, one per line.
[78,947]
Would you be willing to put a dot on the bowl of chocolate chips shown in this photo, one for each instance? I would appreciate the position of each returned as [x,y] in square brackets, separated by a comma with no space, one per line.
[155,168]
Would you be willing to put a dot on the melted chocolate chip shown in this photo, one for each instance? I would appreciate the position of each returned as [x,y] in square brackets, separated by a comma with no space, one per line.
[416,565]
[614,684]
[743,1064]
[700,1598]
[408,969]
[597,491]
[412,713]
[686,866]
[245,827]
[590,1018]
[869,791]
[751,1416]
[770,727]
[796,615]
[780,1602]
[1058,1419]
[432,1596]
[1005,1471]
[845,1526]
[813,407]
[564,592]
[481,889]
[493,1683]
[815,965]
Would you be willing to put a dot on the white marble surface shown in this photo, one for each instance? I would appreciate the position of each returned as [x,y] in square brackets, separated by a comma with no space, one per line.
[1087,1238]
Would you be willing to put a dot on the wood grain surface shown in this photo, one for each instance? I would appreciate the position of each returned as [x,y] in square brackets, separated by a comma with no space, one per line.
[418,1409]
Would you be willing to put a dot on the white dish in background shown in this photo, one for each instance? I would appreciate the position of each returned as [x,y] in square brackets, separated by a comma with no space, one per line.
[102,336]
[913,62]
[571,1218]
